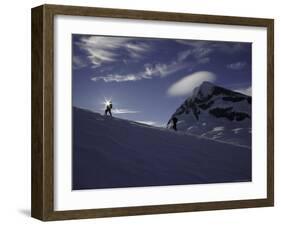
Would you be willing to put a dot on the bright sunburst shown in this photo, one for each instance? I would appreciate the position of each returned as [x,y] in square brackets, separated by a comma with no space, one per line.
[107,102]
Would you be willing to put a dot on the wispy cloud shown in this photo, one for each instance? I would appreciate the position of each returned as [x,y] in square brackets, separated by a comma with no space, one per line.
[161,69]
[201,52]
[149,71]
[151,123]
[117,78]
[78,62]
[197,53]
[137,50]
[237,65]
[184,54]
[102,50]
[124,111]
[246,91]
[186,85]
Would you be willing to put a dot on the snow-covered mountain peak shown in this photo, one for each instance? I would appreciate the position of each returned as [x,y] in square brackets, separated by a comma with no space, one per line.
[206,87]
[211,107]
[204,90]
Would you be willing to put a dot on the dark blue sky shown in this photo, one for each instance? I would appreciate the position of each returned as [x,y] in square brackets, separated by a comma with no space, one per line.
[147,79]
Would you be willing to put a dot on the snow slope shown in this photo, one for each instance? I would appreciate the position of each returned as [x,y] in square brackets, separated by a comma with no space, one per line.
[111,152]
[216,113]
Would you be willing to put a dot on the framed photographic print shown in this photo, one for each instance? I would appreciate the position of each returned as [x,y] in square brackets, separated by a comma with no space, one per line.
[141,112]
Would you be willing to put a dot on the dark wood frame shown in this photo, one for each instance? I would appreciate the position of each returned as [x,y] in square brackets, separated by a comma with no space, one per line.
[42,203]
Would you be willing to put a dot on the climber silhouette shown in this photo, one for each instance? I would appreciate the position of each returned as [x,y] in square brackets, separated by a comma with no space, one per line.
[108,108]
[174,120]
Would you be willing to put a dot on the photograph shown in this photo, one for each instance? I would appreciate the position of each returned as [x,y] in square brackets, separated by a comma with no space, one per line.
[160,112]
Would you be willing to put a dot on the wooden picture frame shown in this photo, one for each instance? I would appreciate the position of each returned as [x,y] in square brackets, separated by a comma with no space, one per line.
[43,107]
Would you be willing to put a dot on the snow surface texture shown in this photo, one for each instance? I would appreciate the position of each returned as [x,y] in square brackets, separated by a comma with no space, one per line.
[217,113]
[111,152]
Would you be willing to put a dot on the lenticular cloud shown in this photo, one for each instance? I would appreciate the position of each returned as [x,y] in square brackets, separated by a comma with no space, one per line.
[186,85]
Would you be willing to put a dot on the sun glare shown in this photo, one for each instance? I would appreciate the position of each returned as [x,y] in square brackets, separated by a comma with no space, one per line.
[106,102]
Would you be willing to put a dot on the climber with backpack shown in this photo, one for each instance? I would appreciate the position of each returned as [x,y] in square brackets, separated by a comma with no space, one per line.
[108,107]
